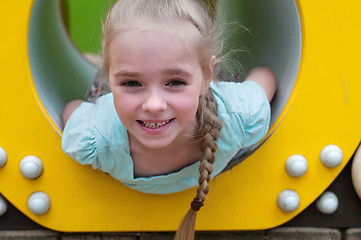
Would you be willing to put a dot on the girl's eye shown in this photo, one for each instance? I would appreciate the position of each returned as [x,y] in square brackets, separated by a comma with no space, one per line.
[176,82]
[131,84]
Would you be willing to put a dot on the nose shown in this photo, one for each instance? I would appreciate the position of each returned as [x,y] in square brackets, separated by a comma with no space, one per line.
[154,102]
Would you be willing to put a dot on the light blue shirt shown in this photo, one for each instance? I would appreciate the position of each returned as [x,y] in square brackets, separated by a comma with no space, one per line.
[94,135]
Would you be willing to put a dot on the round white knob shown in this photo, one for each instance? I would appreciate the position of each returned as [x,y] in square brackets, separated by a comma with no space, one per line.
[327,203]
[296,165]
[39,203]
[288,200]
[356,171]
[31,167]
[331,156]
[3,206]
[3,157]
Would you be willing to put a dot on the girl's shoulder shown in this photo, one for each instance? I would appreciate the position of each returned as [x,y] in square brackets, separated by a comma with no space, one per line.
[239,97]
[97,122]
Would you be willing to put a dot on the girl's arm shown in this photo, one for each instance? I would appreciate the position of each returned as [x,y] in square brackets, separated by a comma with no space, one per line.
[69,109]
[265,78]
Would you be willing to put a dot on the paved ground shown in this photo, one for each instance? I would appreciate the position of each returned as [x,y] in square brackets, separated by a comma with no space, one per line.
[274,234]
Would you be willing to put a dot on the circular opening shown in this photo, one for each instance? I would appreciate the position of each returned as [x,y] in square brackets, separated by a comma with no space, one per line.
[273,39]
[59,70]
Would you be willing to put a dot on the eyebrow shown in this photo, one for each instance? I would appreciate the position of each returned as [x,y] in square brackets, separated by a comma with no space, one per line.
[177,71]
[127,74]
[171,71]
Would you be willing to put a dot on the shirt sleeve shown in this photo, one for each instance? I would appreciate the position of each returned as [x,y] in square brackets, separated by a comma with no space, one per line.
[258,121]
[245,111]
[78,139]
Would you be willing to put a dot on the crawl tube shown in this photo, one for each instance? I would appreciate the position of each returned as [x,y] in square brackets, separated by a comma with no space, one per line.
[313,47]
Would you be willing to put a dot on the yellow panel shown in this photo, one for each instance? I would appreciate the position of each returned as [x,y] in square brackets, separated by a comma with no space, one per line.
[323,109]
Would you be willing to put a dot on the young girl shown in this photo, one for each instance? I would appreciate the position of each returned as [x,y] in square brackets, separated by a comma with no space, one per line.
[166,126]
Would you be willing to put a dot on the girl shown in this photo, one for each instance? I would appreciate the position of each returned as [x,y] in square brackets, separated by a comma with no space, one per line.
[159,129]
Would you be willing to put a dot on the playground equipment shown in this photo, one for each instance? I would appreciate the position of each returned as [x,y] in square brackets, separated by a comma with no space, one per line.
[314,50]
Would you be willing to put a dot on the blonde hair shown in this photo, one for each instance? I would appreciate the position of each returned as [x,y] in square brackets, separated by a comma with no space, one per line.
[120,18]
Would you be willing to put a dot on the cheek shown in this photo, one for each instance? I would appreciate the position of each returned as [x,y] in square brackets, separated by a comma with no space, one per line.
[124,106]
[187,107]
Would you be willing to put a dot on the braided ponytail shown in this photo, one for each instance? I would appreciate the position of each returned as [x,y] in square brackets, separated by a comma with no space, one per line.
[209,129]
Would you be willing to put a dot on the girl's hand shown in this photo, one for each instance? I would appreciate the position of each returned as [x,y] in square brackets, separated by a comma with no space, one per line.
[69,109]
[265,78]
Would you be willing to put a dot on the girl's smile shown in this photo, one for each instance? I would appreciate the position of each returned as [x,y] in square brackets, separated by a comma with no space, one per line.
[154,124]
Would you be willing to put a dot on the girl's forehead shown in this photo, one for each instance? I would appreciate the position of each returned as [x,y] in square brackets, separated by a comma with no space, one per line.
[136,48]
[178,28]
[157,42]
[171,42]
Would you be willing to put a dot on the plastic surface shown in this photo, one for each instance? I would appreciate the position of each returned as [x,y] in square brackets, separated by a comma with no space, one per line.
[3,206]
[31,167]
[331,156]
[288,200]
[3,157]
[296,165]
[39,203]
[356,172]
[321,109]
[327,203]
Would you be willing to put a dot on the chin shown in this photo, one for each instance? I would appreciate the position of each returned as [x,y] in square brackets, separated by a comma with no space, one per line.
[156,146]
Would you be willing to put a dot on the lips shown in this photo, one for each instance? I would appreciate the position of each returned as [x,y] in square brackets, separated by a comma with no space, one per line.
[154,124]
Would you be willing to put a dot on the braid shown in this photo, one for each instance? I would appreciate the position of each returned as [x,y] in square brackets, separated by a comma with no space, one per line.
[209,129]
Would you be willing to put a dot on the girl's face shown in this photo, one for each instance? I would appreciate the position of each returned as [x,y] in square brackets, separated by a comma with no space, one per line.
[156,80]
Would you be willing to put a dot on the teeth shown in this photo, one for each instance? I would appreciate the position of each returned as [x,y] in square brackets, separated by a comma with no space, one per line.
[154,125]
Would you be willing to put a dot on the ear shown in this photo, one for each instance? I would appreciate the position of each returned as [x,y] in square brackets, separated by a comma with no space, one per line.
[208,79]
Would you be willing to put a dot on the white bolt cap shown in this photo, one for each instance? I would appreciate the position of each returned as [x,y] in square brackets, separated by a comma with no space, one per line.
[31,167]
[3,206]
[39,203]
[3,157]
[288,200]
[327,203]
[331,156]
[296,165]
